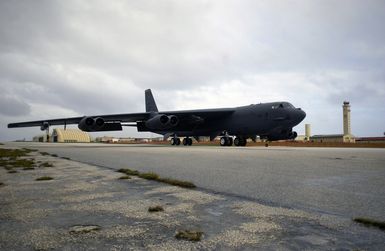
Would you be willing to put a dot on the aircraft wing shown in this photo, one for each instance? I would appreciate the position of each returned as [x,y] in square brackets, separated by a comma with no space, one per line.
[130,117]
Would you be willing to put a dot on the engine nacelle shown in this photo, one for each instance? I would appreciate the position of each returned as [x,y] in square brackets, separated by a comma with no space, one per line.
[89,124]
[44,126]
[162,121]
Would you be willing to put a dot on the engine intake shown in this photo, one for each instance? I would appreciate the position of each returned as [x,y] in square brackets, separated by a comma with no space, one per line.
[90,124]
[162,121]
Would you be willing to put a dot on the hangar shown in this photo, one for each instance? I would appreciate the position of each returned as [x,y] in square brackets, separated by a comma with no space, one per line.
[70,136]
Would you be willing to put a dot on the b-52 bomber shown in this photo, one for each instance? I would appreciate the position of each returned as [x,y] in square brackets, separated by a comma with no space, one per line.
[270,121]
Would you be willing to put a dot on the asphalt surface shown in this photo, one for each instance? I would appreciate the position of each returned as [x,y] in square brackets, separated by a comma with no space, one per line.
[346,182]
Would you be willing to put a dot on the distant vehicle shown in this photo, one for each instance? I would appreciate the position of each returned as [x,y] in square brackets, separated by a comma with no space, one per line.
[271,121]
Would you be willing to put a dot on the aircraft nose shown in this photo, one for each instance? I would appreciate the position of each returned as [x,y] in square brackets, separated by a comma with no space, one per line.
[299,115]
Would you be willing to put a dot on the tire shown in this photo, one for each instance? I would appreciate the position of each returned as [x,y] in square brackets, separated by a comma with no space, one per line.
[185,141]
[230,141]
[177,141]
[172,141]
[189,141]
[237,141]
[223,141]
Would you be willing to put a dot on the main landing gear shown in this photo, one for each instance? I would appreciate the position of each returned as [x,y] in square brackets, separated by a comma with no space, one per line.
[176,141]
[228,141]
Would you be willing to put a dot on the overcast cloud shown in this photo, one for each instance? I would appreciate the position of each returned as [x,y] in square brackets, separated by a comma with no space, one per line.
[71,58]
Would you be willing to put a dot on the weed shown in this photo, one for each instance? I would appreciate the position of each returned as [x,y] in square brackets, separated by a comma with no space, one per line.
[155,209]
[28,168]
[44,178]
[46,164]
[189,235]
[371,223]
[128,171]
[22,163]
[179,183]
[149,176]
[125,177]
[13,153]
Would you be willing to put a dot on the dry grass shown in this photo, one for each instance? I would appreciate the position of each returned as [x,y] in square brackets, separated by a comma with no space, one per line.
[189,235]
[155,209]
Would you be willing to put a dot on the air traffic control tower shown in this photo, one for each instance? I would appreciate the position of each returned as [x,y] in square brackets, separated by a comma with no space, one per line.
[347,137]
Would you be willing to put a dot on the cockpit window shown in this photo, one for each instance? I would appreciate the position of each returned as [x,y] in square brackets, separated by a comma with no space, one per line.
[282,105]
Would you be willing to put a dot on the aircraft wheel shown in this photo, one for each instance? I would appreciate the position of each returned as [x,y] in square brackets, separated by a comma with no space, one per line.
[230,141]
[177,141]
[236,141]
[189,141]
[243,142]
[172,141]
[224,141]
[185,141]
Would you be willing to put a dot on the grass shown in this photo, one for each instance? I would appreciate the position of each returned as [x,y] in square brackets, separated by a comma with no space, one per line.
[179,183]
[66,158]
[44,178]
[46,164]
[155,209]
[149,176]
[54,155]
[28,168]
[14,153]
[370,223]
[155,177]
[128,171]
[189,235]
[12,171]
[125,177]
[25,163]
[44,153]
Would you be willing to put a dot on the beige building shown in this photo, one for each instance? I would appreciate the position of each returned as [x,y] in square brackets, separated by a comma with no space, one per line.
[331,138]
[69,136]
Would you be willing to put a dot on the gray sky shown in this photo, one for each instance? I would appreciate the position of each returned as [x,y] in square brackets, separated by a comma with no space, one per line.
[71,58]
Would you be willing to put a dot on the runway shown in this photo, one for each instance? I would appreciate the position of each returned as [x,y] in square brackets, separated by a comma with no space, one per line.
[346,182]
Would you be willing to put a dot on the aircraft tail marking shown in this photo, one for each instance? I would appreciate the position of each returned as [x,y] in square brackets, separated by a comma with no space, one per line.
[150,102]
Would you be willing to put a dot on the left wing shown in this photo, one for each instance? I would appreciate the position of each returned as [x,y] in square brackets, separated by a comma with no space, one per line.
[129,117]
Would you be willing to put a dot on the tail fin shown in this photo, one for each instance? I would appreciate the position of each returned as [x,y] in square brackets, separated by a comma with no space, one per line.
[150,102]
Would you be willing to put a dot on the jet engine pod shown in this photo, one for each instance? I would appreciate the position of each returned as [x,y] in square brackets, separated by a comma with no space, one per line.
[158,122]
[99,123]
[44,126]
[173,120]
[87,124]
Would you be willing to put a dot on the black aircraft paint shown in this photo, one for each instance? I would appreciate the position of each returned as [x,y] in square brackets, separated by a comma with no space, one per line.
[272,121]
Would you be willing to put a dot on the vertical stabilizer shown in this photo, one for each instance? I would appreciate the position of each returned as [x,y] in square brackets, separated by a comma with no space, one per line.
[150,102]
